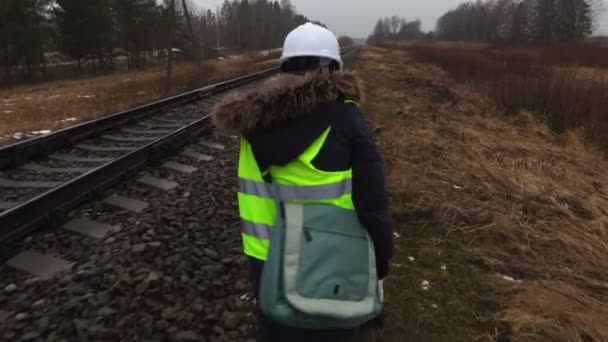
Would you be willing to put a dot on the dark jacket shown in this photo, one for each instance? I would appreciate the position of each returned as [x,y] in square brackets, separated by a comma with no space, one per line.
[283,116]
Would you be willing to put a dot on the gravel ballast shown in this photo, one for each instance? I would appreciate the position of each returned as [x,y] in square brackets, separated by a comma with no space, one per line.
[175,272]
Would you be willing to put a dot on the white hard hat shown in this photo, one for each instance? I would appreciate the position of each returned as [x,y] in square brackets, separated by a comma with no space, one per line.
[311,40]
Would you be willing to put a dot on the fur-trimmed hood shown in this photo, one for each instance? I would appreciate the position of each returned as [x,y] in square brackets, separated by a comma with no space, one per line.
[284,98]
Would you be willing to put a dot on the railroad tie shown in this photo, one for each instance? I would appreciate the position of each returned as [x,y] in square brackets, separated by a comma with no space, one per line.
[126,203]
[104,148]
[7,205]
[89,228]
[128,139]
[160,183]
[44,169]
[179,167]
[158,125]
[40,265]
[210,102]
[171,121]
[197,156]
[148,131]
[215,146]
[69,158]
[9,183]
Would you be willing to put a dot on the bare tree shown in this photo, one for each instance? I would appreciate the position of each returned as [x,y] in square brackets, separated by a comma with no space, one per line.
[598,8]
[395,24]
[384,30]
[539,21]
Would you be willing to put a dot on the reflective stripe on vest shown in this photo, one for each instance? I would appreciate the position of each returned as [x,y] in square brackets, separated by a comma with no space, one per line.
[260,231]
[296,192]
[315,192]
[251,187]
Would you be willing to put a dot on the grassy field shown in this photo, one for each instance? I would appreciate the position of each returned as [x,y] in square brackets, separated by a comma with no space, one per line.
[501,221]
[52,105]
[566,85]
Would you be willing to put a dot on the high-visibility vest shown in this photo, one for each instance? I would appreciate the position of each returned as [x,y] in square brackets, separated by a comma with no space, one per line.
[297,182]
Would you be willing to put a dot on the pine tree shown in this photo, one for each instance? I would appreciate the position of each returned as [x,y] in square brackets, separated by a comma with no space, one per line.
[573,20]
[21,35]
[85,29]
[141,28]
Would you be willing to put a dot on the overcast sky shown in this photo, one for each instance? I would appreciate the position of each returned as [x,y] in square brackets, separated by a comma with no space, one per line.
[357,17]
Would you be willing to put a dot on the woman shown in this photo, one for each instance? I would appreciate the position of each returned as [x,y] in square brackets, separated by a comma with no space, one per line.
[307,123]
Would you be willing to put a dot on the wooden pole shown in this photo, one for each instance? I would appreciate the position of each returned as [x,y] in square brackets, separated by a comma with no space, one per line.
[170,47]
[195,45]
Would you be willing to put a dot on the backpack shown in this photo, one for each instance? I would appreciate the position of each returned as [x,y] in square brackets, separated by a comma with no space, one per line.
[321,269]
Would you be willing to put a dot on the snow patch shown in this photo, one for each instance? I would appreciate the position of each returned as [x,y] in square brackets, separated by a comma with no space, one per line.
[66,120]
[457,187]
[86,96]
[444,268]
[397,235]
[508,278]
[425,285]
[18,135]
[45,131]
[411,258]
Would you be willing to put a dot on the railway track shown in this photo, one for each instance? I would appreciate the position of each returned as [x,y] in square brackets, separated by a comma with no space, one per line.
[147,248]
[43,178]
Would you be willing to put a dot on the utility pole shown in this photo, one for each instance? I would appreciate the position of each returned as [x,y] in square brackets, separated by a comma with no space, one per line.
[195,45]
[170,46]
[217,17]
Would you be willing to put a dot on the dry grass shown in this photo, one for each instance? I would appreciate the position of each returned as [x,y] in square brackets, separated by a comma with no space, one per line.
[49,106]
[486,194]
[566,85]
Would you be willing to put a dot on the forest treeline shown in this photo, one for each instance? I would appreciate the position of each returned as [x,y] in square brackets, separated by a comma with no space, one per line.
[514,21]
[395,28]
[93,33]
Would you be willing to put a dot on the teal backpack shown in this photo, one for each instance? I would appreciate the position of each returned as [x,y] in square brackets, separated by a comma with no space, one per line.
[321,269]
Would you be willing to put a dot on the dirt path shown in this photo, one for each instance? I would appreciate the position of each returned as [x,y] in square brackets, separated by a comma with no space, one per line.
[500,223]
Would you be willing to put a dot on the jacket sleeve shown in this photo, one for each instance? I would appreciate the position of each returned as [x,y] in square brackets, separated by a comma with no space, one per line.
[370,196]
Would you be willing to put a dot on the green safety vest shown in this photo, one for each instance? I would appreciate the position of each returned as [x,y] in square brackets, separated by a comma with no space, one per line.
[297,182]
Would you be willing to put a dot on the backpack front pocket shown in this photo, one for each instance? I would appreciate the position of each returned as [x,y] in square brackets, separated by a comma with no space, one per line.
[333,265]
